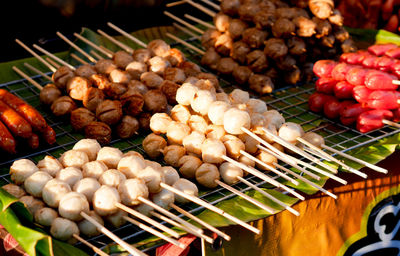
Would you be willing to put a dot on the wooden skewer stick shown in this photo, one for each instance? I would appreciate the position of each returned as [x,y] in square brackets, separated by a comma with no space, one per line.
[206,24]
[365,163]
[211,207]
[77,58]
[106,49]
[175,3]
[170,221]
[75,47]
[201,222]
[255,159]
[93,45]
[215,6]
[185,43]
[54,57]
[185,30]
[37,71]
[53,69]
[148,220]
[201,8]
[188,25]
[52,62]
[127,35]
[33,82]
[155,232]
[287,207]
[295,174]
[388,122]
[246,197]
[299,151]
[132,250]
[94,248]
[113,40]
[95,54]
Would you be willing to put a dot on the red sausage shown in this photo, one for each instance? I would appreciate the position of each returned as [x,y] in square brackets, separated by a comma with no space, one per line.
[385,63]
[332,108]
[361,93]
[380,99]
[33,141]
[24,109]
[317,100]
[17,125]
[353,111]
[380,49]
[49,135]
[325,85]
[372,120]
[323,68]
[7,141]
[343,90]
[340,71]
[370,61]
[356,76]
[378,80]
[393,53]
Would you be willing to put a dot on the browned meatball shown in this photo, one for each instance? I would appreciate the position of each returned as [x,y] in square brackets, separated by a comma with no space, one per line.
[307,71]
[49,94]
[127,127]
[190,68]
[348,45]
[210,77]
[109,111]
[209,38]
[120,76]
[275,48]
[77,87]
[175,57]
[115,90]
[135,69]
[175,75]
[239,51]
[155,101]
[257,61]
[92,98]
[61,76]
[261,84]
[242,74]
[264,19]
[105,66]
[236,28]
[341,34]
[169,88]
[272,73]
[286,12]
[122,59]
[305,27]
[248,11]
[283,28]
[230,7]
[224,44]
[321,9]
[286,63]
[63,106]
[81,117]
[221,22]
[151,79]
[336,18]
[296,46]
[324,27]
[137,86]
[98,131]
[327,41]
[141,55]
[254,37]
[226,66]
[100,81]
[210,58]
[144,121]
[85,71]
[293,76]
[158,47]
[132,102]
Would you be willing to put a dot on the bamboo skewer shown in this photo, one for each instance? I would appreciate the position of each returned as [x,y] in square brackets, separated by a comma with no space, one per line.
[185,43]
[183,22]
[127,35]
[93,45]
[53,56]
[95,54]
[113,40]
[33,82]
[32,68]
[170,221]
[201,8]
[175,3]
[215,6]
[77,58]
[52,68]
[94,248]
[52,62]
[206,24]
[73,45]
[185,30]
[388,122]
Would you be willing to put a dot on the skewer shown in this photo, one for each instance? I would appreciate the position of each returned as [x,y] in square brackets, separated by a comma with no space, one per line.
[77,58]
[175,3]
[286,207]
[201,8]
[94,248]
[185,30]
[215,6]
[95,54]
[127,35]
[148,220]
[203,247]
[32,68]
[33,82]
[206,24]
[170,221]
[53,56]
[185,43]
[132,250]
[183,22]
[75,47]
[106,49]
[246,197]
[113,40]
[53,69]
[93,45]
[201,222]
[155,232]
[52,62]
[357,160]
[388,122]
[211,207]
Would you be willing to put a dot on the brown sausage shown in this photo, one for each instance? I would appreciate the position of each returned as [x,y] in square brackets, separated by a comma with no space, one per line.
[16,123]
[24,109]
[33,141]
[7,141]
[49,135]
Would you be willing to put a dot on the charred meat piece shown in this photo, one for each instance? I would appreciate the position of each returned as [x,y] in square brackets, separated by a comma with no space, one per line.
[254,37]
[283,28]
[239,51]
[257,61]
[210,58]
[209,38]
[275,48]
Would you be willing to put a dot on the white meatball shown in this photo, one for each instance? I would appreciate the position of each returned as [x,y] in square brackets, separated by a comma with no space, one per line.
[110,156]
[238,96]
[53,191]
[87,228]
[34,184]
[87,187]
[206,175]
[269,138]
[94,169]
[158,65]
[212,151]
[152,164]
[152,177]
[170,175]
[32,204]
[233,145]
[222,96]
[290,132]
[63,229]
[90,146]
[193,142]
[187,187]
[144,209]
[188,165]
[112,177]
[71,206]
[159,122]
[266,158]
[250,143]
[176,132]
[130,166]
[186,93]
[235,119]
[105,199]
[50,165]
[215,132]
[70,175]
[216,112]
[274,117]
[164,198]
[256,106]
[257,122]
[229,172]
[22,169]
[74,158]
[191,80]
[117,219]
[132,153]
[315,139]
[180,113]
[202,101]
[131,189]
[247,161]
[198,123]
[45,216]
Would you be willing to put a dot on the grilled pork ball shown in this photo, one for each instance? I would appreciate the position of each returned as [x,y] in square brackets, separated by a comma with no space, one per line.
[141,55]
[81,117]
[49,94]
[74,158]
[122,59]
[77,87]
[105,66]
[85,71]
[155,101]
[90,146]
[222,22]
[63,229]
[226,65]
[254,37]
[235,119]
[275,48]
[98,131]
[172,154]
[61,77]
[93,98]
[283,28]
[63,106]
[209,38]
[290,132]
[158,47]
[170,175]
[224,44]
[261,84]
[87,228]
[105,199]
[236,28]
[188,165]
[152,177]
[72,204]
[206,175]
[210,58]
[34,184]
[127,127]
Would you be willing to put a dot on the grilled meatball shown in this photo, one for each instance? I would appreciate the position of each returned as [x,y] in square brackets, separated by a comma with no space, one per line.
[100,81]
[63,106]
[254,37]
[105,66]
[93,98]
[98,131]
[175,75]
[275,48]
[190,68]
[296,46]
[236,28]
[61,76]
[141,55]
[132,102]
[264,18]
[239,51]
[283,28]
[257,61]
[222,22]
[122,59]
[81,117]
[175,57]
[151,79]
[49,94]
[155,101]
[248,11]
[230,7]
[169,89]
[209,38]
[119,76]
[224,44]
[135,69]
[85,71]
[226,65]
[158,65]
[261,84]
[109,111]
[115,90]
[210,58]
[127,127]
[158,47]
[305,27]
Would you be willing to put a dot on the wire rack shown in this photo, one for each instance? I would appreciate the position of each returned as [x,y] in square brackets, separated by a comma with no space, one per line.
[290,101]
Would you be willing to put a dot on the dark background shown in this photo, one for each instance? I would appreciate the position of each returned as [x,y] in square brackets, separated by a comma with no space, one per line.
[37,21]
